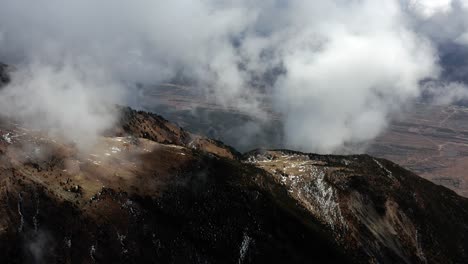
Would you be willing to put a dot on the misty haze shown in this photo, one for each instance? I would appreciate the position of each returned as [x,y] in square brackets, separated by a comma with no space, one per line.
[220,131]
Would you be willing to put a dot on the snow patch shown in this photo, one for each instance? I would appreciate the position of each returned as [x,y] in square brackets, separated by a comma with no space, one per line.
[325,198]
[92,252]
[7,138]
[115,150]
[389,173]
[307,183]
[244,247]
[20,212]
[68,242]
[419,249]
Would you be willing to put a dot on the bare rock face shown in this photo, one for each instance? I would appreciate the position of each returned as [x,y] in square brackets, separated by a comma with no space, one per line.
[150,192]
[375,210]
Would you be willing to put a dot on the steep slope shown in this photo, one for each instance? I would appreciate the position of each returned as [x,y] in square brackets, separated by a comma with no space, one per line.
[377,211]
[156,128]
[145,195]
[132,200]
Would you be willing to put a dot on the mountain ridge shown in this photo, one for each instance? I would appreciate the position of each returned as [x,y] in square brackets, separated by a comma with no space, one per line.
[352,209]
[148,191]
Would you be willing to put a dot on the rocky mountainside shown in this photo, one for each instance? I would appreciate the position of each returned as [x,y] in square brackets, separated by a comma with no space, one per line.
[376,211]
[149,192]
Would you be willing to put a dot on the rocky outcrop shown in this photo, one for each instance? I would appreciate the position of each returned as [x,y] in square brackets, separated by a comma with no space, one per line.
[141,124]
[377,211]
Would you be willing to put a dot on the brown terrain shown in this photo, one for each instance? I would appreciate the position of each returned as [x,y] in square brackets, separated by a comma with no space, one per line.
[144,195]
[150,192]
[369,204]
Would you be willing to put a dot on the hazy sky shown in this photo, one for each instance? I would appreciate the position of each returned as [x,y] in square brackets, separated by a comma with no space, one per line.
[348,66]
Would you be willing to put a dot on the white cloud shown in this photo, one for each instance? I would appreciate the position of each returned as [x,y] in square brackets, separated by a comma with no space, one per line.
[428,8]
[347,66]
[343,89]
[67,101]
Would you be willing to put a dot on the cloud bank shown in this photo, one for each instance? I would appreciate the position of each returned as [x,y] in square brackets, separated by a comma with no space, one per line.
[341,69]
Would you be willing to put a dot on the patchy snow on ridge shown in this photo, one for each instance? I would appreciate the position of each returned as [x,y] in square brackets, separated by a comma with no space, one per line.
[7,138]
[389,173]
[244,248]
[306,181]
